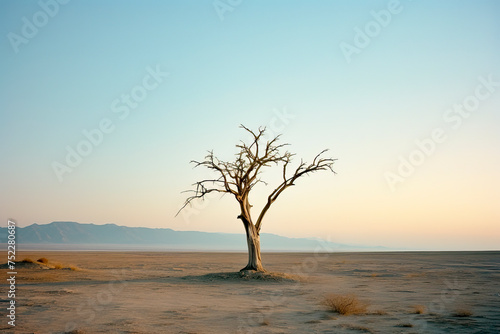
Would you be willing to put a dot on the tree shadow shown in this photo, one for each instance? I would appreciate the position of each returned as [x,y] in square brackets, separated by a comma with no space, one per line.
[244,276]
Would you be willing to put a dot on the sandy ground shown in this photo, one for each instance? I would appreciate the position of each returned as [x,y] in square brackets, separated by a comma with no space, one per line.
[156,292]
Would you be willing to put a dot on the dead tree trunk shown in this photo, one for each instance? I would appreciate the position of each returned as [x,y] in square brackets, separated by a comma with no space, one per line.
[253,243]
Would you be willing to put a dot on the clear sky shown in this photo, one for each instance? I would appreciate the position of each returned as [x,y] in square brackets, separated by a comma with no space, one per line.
[405,94]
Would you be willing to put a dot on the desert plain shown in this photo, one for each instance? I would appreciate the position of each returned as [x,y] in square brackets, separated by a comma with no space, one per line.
[196,292]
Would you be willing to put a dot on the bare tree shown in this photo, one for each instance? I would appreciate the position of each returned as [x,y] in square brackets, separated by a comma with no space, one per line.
[240,176]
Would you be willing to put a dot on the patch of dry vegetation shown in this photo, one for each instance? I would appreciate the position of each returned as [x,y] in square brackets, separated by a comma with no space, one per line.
[265,322]
[247,276]
[43,263]
[462,313]
[406,325]
[345,304]
[418,309]
[357,328]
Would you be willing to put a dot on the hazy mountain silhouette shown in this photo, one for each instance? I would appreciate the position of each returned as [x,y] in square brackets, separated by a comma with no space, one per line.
[114,236]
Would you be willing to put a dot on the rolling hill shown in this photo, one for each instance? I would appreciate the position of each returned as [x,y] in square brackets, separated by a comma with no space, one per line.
[68,235]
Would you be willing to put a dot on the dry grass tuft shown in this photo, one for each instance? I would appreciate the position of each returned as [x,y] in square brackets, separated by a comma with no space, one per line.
[43,260]
[357,328]
[345,304]
[74,268]
[408,325]
[26,260]
[418,309]
[265,322]
[58,266]
[462,313]
[315,321]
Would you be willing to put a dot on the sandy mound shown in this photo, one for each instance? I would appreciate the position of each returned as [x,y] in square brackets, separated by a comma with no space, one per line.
[245,276]
[26,265]
[39,264]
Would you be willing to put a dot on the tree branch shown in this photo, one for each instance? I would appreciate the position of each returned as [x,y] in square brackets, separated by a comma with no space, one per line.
[318,164]
[238,177]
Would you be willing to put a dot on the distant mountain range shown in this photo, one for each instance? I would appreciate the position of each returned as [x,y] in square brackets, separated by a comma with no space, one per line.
[72,235]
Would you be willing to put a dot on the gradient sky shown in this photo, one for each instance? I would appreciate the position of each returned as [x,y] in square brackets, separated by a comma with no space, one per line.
[248,64]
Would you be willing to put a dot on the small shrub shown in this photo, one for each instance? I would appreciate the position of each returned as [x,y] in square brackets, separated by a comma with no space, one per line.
[418,309]
[462,313]
[408,325]
[362,329]
[27,261]
[74,268]
[58,266]
[265,322]
[345,304]
[43,260]
[313,321]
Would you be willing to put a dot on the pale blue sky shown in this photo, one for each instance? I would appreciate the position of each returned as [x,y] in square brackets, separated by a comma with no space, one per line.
[263,58]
